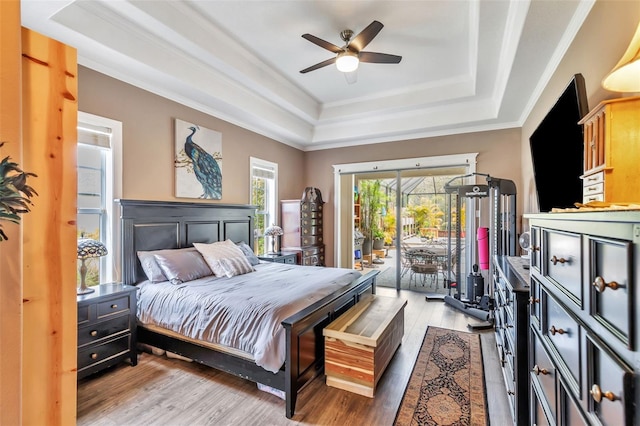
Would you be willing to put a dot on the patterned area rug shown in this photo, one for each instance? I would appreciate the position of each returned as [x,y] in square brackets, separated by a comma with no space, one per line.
[447,383]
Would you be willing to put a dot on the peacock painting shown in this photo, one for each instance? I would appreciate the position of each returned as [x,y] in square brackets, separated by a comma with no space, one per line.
[198,162]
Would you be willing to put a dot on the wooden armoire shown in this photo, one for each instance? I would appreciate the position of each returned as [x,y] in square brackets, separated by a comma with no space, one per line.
[302,227]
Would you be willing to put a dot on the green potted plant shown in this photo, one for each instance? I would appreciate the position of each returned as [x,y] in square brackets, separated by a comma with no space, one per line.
[15,194]
[371,202]
[378,238]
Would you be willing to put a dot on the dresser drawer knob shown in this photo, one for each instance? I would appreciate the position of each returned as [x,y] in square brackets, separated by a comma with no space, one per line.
[114,306]
[601,285]
[538,371]
[553,330]
[533,300]
[94,356]
[556,260]
[597,394]
[94,333]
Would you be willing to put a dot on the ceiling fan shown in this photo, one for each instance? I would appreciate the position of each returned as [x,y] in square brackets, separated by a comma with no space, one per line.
[351,54]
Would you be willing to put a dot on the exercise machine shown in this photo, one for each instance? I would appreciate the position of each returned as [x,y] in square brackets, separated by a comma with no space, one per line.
[498,239]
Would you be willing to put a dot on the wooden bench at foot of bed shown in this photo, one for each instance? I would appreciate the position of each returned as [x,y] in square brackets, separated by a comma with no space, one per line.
[360,344]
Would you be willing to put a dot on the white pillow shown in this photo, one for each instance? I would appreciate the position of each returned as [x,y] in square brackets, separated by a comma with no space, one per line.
[236,266]
[212,253]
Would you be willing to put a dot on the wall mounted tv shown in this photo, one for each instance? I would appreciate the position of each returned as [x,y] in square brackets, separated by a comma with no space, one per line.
[557,149]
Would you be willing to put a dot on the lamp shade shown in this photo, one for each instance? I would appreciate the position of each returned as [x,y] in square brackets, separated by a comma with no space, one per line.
[273,231]
[88,247]
[625,76]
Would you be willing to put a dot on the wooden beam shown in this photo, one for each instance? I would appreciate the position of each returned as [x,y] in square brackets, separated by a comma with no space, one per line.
[50,110]
[11,249]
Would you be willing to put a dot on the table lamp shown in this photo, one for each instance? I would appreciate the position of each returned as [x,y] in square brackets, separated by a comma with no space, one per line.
[88,248]
[273,231]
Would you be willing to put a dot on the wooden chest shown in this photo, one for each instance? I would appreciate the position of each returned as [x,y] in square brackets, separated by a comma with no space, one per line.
[360,344]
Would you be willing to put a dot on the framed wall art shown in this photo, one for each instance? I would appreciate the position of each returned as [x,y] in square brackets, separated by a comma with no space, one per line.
[198,161]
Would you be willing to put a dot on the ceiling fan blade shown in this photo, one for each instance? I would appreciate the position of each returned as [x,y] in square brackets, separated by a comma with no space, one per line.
[351,77]
[379,58]
[318,65]
[360,41]
[322,43]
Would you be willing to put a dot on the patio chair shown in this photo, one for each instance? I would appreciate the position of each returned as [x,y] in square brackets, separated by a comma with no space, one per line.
[424,266]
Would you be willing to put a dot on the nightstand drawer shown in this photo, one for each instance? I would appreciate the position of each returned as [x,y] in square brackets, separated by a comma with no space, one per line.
[113,306]
[96,354]
[103,329]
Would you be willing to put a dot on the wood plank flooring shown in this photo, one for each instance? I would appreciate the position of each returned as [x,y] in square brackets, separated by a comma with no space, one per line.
[162,391]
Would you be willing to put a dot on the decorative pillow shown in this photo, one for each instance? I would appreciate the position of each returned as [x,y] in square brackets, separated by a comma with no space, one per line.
[248,252]
[233,266]
[212,254]
[182,266]
[150,266]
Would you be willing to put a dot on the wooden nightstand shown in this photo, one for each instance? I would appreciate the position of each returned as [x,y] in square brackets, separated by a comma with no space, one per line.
[283,257]
[106,328]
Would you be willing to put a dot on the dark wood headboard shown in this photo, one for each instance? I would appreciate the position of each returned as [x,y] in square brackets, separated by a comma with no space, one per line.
[155,225]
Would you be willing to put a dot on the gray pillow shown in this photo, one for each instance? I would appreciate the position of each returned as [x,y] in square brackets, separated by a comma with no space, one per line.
[150,266]
[181,266]
[248,252]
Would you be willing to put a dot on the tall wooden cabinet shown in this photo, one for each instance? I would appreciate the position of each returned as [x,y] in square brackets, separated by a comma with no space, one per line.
[611,151]
[584,357]
[302,224]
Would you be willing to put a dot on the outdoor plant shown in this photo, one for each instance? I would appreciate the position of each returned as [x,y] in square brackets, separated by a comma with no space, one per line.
[15,194]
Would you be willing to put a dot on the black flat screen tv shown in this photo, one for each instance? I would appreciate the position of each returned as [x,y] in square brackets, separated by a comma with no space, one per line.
[557,149]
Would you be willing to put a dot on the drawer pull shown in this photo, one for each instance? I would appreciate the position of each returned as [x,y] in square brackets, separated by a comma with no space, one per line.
[533,300]
[94,356]
[597,394]
[538,371]
[556,260]
[94,333]
[592,188]
[553,330]
[509,325]
[601,285]
[510,392]
[114,306]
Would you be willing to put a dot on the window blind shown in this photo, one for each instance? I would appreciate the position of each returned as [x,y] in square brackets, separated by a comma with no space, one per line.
[90,134]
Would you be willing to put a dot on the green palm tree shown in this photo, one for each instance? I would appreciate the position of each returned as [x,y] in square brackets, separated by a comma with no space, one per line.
[15,194]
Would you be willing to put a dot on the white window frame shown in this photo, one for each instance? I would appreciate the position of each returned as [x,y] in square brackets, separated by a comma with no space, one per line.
[110,266]
[271,212]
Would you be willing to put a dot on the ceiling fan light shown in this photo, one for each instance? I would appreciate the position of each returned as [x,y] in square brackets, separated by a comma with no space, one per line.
[347,61]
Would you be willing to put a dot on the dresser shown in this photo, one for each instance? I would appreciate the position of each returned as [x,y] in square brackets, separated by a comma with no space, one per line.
[511,319]
[106,328]
[302,224]
[611,151]
[584,361]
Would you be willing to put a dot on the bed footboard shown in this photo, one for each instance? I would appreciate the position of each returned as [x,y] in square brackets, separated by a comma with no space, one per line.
[305,342]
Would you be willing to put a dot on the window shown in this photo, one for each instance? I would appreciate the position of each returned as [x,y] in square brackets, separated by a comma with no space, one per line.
[98,159]
[264,195]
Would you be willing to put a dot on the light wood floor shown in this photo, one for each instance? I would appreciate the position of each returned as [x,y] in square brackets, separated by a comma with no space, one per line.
[161,391]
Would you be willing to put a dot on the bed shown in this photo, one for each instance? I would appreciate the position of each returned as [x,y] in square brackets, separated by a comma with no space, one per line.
[154,225]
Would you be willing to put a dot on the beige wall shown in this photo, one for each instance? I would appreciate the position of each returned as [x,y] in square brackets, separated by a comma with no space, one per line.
[498,155]
[148,142]
[596,49]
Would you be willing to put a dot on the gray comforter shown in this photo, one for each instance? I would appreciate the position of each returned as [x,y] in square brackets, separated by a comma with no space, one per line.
[243,312]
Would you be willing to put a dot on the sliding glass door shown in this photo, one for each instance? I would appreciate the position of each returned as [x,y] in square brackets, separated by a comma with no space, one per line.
[401,222]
